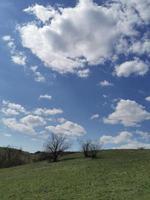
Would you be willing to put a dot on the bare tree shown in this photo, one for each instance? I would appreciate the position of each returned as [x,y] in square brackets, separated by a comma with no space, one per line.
[90,149]
[56,145]
[86,148]
[94,149]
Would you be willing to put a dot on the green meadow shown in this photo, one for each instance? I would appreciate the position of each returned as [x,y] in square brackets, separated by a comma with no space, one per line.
[114,175]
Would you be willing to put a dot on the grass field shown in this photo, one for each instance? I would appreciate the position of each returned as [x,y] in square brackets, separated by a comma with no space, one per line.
[115,175]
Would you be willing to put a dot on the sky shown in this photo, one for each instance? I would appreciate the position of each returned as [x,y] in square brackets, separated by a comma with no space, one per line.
[78,68]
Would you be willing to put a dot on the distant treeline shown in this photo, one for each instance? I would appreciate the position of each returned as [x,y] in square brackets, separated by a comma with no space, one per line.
[10,156]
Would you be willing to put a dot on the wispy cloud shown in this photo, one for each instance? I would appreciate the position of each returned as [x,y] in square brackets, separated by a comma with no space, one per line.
[17,57]
[45,96]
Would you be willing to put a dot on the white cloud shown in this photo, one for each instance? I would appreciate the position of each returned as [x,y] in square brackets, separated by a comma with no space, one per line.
[141,7]
[134,144]
[17,57]
[67,128]
[95,116]
[144,135]
[126,140]
[74,37]
[7,38]
[61,120]
[41,12]
[10,43]
[12,109]
[147,98]
[9,108]
[128,113]
[105,83]
[84,73]
[14,125]
[122,137]
[141,47]
[37,75]
[69,39]
[33,121]
[47,112]
[136,67]
[45,96]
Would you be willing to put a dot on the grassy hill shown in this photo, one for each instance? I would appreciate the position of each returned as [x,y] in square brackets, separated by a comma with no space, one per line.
[115,175]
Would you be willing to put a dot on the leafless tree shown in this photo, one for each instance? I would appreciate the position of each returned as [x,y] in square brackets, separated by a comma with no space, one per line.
[86,148]
[94,149]
[90,149]
[56,145]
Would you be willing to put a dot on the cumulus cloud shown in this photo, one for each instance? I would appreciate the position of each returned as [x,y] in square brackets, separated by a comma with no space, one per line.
[141,47]
[36,123]
[25,125]
[88,34]
[67,43]
[47,112]
[14,125]
[41,12]
[9,108]
[69,39]
[136,67]
[33,121]
[128,113]
[122,137]
[126,140]
[67,128]
[141,7]
[45,96]
[105,83]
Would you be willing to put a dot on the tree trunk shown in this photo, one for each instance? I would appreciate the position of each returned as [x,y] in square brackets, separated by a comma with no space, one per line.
[55,158]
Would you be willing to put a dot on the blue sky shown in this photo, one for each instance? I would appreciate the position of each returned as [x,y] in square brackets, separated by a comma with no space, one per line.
[79,68]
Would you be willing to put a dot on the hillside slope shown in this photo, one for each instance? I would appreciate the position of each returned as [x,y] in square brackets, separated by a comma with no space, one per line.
[115,175]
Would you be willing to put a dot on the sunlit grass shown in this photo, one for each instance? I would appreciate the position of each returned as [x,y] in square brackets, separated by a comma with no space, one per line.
[115,175]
